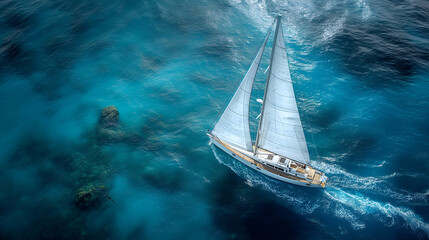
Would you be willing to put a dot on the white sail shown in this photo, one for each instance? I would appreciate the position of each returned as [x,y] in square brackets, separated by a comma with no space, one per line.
[280,129]
[233,125]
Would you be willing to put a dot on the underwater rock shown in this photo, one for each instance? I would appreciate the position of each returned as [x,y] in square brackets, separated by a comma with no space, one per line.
[116,136]
[91,165]
[87,196]
[108,129]
[107,135]
[109,117]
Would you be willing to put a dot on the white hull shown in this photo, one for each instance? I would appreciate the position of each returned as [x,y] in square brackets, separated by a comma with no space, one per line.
[261,170]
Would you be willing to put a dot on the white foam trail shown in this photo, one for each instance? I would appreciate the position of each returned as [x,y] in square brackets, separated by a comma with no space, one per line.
[256,11]
[346,214]
[293,12]
[366,12]
[350,207]
[365,206]
[333,28]
[338,177]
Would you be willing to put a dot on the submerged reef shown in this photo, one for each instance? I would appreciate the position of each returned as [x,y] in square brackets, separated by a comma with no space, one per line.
[108,129]
[87,196]
[85,173]
[109,116]
[92,164]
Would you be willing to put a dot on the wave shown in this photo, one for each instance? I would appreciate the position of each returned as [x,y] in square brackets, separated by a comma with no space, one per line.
[366,12]
[332,28]
[344,213]
[256,11]
[336,200]
[364,206]
[262,13]
[339,177]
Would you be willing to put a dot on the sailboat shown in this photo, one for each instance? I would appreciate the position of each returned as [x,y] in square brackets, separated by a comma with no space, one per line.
[280,150]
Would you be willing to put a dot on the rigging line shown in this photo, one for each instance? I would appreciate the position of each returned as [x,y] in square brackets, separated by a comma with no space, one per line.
[312,137]
[239,82]
[267,69]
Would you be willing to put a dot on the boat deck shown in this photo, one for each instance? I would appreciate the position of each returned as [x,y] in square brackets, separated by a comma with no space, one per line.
[313,176]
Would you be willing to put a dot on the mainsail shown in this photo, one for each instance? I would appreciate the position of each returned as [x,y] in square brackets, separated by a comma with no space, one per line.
[280,129]
[233,125]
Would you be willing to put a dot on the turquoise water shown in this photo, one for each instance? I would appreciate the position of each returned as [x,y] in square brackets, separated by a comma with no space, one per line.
[360,71]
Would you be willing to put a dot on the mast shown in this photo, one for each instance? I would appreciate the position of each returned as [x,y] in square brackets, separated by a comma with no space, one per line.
[280,129]
[266,85]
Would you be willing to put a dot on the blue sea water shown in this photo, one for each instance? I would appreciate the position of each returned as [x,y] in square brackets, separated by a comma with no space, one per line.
[360,70]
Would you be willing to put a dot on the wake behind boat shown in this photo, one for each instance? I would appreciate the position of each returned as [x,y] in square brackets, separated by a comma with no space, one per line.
[280,150]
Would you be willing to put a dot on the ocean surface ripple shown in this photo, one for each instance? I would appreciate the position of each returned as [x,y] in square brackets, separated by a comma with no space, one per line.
[360,70]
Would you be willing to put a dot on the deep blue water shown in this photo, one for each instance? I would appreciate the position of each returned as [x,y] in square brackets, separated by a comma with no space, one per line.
[360,69]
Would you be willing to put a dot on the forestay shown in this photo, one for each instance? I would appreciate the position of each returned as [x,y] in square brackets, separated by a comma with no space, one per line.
[280,129]
[233,125]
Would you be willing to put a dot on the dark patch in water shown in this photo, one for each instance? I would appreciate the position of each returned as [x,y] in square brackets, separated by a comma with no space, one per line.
[327,117]
[169,95]
[379,53]
[37,150]
[49,85]
[358,146]
[409,180]
[201,78]
[14,57]
[244,213]
[151,130]
[228,193]
[162,176]
[11,50]
[37,196]
[151,63]
[137,233]
[267,218]
[217,47]
[59,45]
[223,195]
[18,20]
[205,78]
